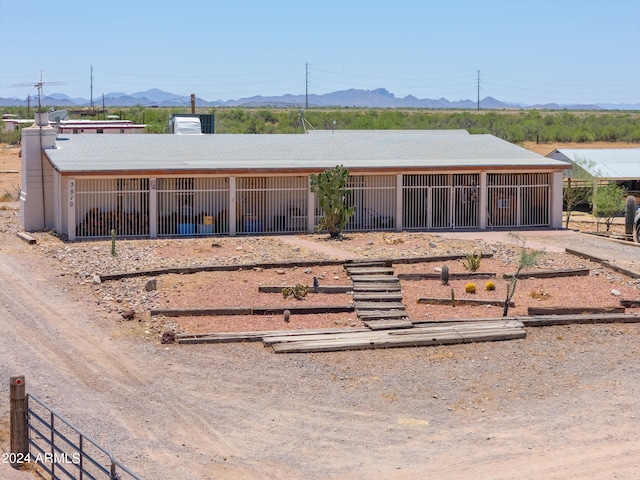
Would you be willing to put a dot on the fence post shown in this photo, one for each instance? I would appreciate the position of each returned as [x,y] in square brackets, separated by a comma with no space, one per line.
[18,419]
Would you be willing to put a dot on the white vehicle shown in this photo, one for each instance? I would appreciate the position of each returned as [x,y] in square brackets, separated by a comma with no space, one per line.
[186,126]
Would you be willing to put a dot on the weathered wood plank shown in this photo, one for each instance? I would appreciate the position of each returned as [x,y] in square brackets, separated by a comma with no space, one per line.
[194,312]
[374,278]
[376,287]
[376,314]
[320,289]
[572,310]
[376,296]
[550,320]
[228,337]
[364,305]
[452,275]
[577,272]
[388,324]
[369,271]
[630,303]
[462,301]
[389,341]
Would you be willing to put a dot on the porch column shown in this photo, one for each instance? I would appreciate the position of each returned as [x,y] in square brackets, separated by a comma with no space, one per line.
[483,201]
[153,207]
[71,209]
[555,215]
[232,206]
[311,208]
[399,204]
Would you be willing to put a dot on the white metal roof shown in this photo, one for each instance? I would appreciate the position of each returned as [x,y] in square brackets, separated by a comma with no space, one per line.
[368,150]
[613,163]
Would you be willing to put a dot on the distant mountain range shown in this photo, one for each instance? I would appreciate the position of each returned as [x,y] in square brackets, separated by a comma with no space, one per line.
[378,98]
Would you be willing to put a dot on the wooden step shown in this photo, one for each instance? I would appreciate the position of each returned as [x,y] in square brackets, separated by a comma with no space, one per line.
[376,287]
[368,263]
[369,270]
[375,278]
[363,306]
[377,296]
[388,324]
[378,314]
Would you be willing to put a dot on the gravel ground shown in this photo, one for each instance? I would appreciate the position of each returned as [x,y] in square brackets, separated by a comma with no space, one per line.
[562,403]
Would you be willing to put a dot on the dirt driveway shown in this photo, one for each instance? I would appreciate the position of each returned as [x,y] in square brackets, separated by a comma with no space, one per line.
[562,403]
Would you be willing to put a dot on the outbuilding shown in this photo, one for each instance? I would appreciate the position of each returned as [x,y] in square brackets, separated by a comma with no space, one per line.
[85,186]
[605,165]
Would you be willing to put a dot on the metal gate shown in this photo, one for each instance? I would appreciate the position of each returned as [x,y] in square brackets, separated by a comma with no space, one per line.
[440,201]
[518,200]
[64,451]
[120,204]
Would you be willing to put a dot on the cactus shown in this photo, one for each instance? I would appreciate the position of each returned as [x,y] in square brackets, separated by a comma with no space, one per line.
[453,298]
[489,286]
[113,243]
[470,288]
[299,291]
[444,275]
[472,261]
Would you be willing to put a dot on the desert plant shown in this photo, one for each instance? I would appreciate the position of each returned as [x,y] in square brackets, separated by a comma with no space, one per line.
[470,288]
[472,261]
[489,286]
[298,291]
[444,275]
[453,298]
[331,188]
[527,259]
[113,243]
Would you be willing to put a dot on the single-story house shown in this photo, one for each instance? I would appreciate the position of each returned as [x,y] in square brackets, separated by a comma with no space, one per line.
[85,186]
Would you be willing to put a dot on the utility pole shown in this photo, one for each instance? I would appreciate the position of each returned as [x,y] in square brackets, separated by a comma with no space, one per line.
[91,88]
[306,86]
[478,89]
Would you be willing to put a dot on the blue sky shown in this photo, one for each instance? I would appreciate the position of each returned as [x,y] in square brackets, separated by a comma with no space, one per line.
[528,51]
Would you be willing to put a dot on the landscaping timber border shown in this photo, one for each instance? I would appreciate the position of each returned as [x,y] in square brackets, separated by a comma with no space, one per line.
[578,272]
[319,289]
[303,263]
[603,262]
[462,301]
[300,310]
[438,276]
[534,311]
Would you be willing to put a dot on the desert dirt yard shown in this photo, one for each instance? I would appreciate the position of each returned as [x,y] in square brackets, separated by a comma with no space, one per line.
[562,403]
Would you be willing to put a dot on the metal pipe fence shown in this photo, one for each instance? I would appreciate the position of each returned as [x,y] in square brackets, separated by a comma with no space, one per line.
[66,452]
[200,206]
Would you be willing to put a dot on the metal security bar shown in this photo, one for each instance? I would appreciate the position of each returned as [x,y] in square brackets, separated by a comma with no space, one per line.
[440,201]
[103,205]
[374,199]
[518,200]
[271,204]
[192,206]
[66,452]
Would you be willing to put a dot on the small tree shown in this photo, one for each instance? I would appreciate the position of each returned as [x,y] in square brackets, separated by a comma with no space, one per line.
[578,188]
[528,258]
[331,188]
[609,201]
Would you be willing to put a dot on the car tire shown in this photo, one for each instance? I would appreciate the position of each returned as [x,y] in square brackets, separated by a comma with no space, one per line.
[636,236]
